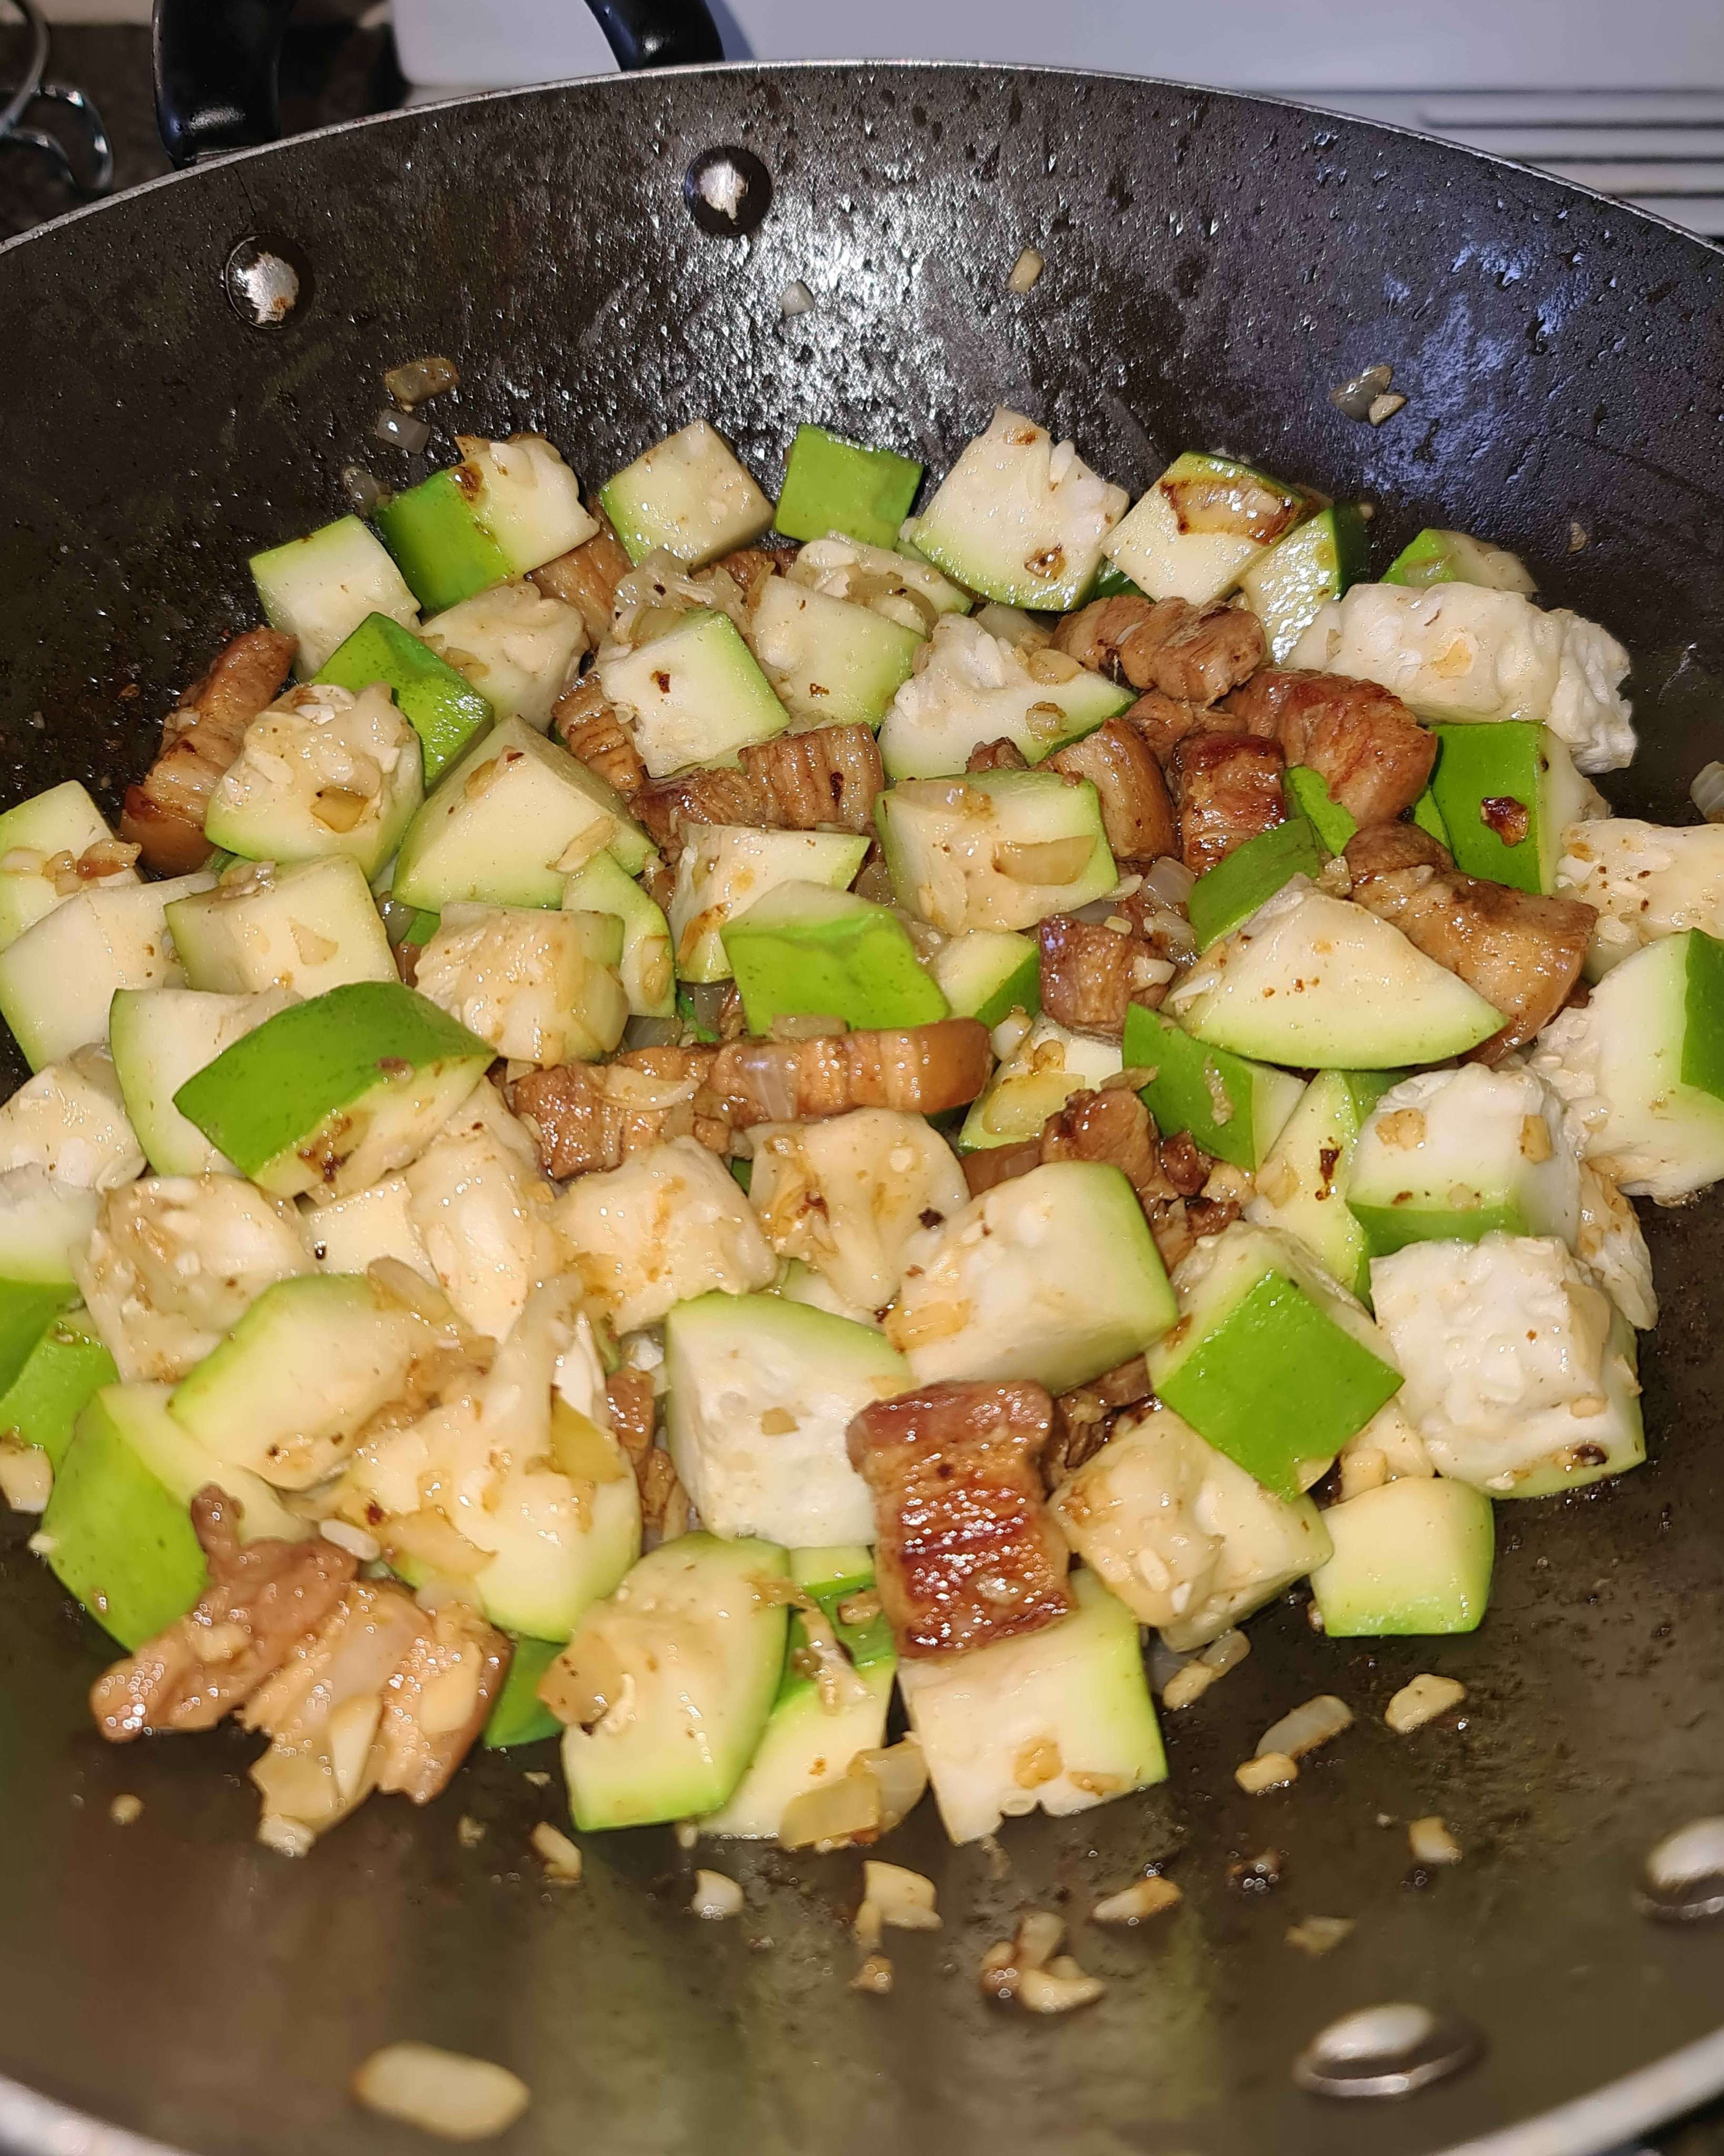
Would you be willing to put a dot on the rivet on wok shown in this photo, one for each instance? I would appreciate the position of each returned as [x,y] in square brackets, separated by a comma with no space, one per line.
[728,192]
[263,285]
[1685,1874]
[1385,2051]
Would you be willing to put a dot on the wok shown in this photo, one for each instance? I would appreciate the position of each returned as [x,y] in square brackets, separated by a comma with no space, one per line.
[1214,265]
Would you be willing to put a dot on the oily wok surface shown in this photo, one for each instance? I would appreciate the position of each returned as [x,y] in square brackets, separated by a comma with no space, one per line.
[1214,265]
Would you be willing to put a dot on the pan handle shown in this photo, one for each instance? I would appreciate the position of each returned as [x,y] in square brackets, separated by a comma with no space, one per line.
[216,62]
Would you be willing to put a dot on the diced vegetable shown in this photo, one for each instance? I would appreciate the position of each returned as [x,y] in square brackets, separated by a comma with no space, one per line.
[649,979]
[1233,1108]
[1519,1376]
[803,948]
[519,1716]
[673,1677]
[516,643]
[1646,881]
[58,979]
[45,1226]
[1187,1540]
[829,661]
[1019,517]
[119,1527]
[1642,1066]
[988,973]
[348,1350]
[975,688]
[540,986]
[831,484]
[761,1394]
[321,773]
[333,1094]
[1317,981]
[35,838]
[693,695]
[1053,1275]
[1224,897]
[159,1038]
[509,822]
[1315,562]
[320,587]
[847,1194]
[350,1235]
[70,1120]
[1060,1719]
[1455,1155]
[304,929]
[1411,1556]
[819,1722]
[63,1371]
[442,706]
[1202,525]
[689,496]
[1035,1081]
[1302,1185]
[1272,1360]
[726,869]
[667,1225]
[905,588]
[1454,557]
[998,849]
[507,507]
[1507,794]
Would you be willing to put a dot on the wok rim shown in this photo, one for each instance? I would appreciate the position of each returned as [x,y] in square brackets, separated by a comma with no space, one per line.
[34,2123]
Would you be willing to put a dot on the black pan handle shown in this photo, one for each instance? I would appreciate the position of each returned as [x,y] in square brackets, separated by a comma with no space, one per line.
[217,60]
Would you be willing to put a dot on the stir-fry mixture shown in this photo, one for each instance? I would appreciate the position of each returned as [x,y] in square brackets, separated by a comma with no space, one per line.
[670,1116]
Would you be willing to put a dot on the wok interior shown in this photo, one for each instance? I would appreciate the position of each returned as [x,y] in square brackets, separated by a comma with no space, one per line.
[1213,265]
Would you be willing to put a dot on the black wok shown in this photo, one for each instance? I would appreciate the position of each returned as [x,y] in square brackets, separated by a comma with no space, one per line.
[1214,264]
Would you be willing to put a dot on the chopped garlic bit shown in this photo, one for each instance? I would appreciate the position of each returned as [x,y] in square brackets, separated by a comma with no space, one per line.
[125,1809]
[1193,1679]
[1308,1726]
[1026,1968]
[1028,266]
[716,1896]
[470,1832]
[687,1833]
[1423,1700]
[1268,1770]
[442,2092]
[1319,1935]
[904,1899]
[1134,1904]
[1431,1841]
[561,1857]
[875,1975]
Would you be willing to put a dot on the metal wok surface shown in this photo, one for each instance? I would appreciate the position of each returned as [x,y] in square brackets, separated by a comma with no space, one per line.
[1214,265]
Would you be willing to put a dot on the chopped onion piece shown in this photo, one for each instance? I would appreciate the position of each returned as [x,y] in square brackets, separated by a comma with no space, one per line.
[415,379]
[1045,860]
[442,2092]
[716,1896]
[905,1899]
[401,430]
[1134,1904]
[1169,880]
[796,299]
[1046,1991]
[875,1975]
[1707,793]
[836,1812]
[364,491]
[1308,1726]
[902,1774]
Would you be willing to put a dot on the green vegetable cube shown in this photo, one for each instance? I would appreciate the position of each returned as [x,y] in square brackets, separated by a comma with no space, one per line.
[519,1716]
[831,484]
[1233,1108]
[1315,562]
[805,949]
[67,1365]
[1412,1555]
[1506,793]
[442,706]
[1271,1360]
[1231,892]
[441,548]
